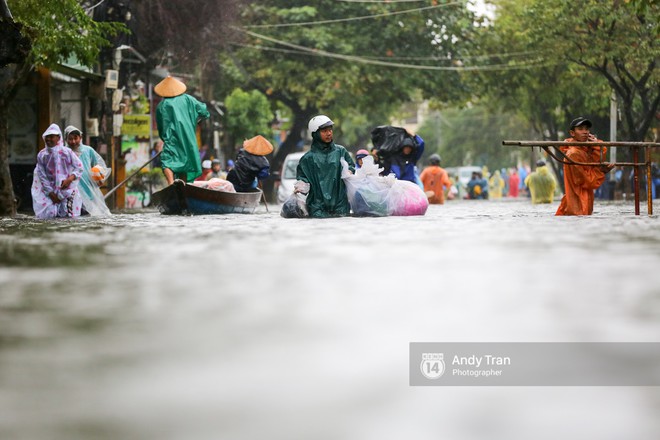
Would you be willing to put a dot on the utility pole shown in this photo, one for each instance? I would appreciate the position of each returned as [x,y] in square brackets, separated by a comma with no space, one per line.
[613,120]
[613,126]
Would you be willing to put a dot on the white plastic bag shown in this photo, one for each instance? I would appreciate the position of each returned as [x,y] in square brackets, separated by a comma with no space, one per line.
[370,194]
[301,187]
[366,190]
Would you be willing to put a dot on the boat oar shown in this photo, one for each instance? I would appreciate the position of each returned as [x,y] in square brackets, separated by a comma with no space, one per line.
[109,193]
[263,196]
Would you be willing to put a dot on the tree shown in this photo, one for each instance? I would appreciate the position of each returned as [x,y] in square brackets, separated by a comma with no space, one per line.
[347,58]
[50,32]
[186,35]
[248,114]
[472,136]
[14,47]
[616,42]
[545,95]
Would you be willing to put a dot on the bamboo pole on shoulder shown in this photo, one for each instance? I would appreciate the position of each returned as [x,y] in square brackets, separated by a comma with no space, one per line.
[560,157]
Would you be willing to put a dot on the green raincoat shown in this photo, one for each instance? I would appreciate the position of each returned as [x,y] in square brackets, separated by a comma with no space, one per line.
[321,168]
[177,119]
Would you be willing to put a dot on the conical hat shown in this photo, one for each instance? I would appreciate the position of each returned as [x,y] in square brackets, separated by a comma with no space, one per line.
[258,146]
[170,87]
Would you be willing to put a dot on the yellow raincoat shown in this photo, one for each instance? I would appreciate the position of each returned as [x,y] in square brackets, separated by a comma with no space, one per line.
[541,185]
[496,185]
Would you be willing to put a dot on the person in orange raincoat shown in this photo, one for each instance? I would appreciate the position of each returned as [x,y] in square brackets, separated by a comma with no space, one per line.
[514,183]
[435,179]
[580,181]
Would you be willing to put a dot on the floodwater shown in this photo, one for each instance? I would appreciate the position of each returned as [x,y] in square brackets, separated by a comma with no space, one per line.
[149,327]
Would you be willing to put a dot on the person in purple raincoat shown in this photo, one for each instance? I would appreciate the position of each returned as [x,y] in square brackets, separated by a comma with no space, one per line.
[56,176]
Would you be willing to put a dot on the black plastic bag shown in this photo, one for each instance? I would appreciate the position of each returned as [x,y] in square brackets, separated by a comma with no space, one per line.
[295,206]
[388,139]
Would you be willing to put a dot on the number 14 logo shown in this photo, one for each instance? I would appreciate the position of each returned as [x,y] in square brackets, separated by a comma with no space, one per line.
[433,365]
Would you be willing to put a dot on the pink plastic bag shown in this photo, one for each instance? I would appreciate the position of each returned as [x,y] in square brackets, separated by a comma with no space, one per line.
[407,198]
[215,184]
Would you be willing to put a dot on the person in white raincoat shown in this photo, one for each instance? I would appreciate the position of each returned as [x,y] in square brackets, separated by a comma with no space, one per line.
[93,200]
[56,177]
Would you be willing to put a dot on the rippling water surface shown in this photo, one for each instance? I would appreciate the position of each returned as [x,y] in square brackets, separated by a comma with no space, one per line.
[143,326]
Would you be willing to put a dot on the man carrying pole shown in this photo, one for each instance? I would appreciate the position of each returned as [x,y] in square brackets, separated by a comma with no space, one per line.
[580,181]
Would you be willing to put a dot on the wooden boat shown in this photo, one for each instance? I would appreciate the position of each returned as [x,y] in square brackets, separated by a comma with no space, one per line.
[181,198]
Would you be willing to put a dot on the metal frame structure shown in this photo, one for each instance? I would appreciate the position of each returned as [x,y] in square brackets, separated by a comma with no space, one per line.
[560,157]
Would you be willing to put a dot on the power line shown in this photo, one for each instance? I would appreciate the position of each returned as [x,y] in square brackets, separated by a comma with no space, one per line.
[342,20]
[270,49]
[320,52]
[467,57]
[380,1]
[91,8]
[463,57]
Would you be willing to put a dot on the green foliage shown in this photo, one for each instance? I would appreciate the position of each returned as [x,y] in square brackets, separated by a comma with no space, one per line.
[325,60]
[473,136]
[592,32]
[61,29]
[248,114]
[545,95]
[587,48]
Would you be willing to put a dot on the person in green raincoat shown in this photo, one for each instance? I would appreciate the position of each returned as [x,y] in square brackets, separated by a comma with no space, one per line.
[177,116]
[319,172]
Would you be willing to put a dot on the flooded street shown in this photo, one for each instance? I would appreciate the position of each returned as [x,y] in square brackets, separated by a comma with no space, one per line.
[147,327]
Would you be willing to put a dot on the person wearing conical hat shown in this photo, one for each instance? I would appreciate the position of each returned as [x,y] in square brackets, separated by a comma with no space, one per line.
[251,164]
[176,117]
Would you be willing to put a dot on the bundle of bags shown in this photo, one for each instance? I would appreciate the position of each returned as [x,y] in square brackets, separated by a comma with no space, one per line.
[388,139]
[371,194]
[296,205]
[215,184]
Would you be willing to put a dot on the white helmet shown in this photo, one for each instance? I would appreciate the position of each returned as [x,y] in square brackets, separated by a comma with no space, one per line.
[320,121]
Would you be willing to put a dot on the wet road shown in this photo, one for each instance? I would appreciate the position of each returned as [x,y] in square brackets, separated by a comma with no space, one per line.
[146,327]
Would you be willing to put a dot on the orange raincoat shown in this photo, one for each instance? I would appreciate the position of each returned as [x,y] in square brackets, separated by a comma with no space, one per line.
[580,181]
[434,179]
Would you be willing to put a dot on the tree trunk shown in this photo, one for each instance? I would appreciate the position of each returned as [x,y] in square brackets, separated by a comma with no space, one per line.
[7,201]
[14,48]
[301,118]
[11,77]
